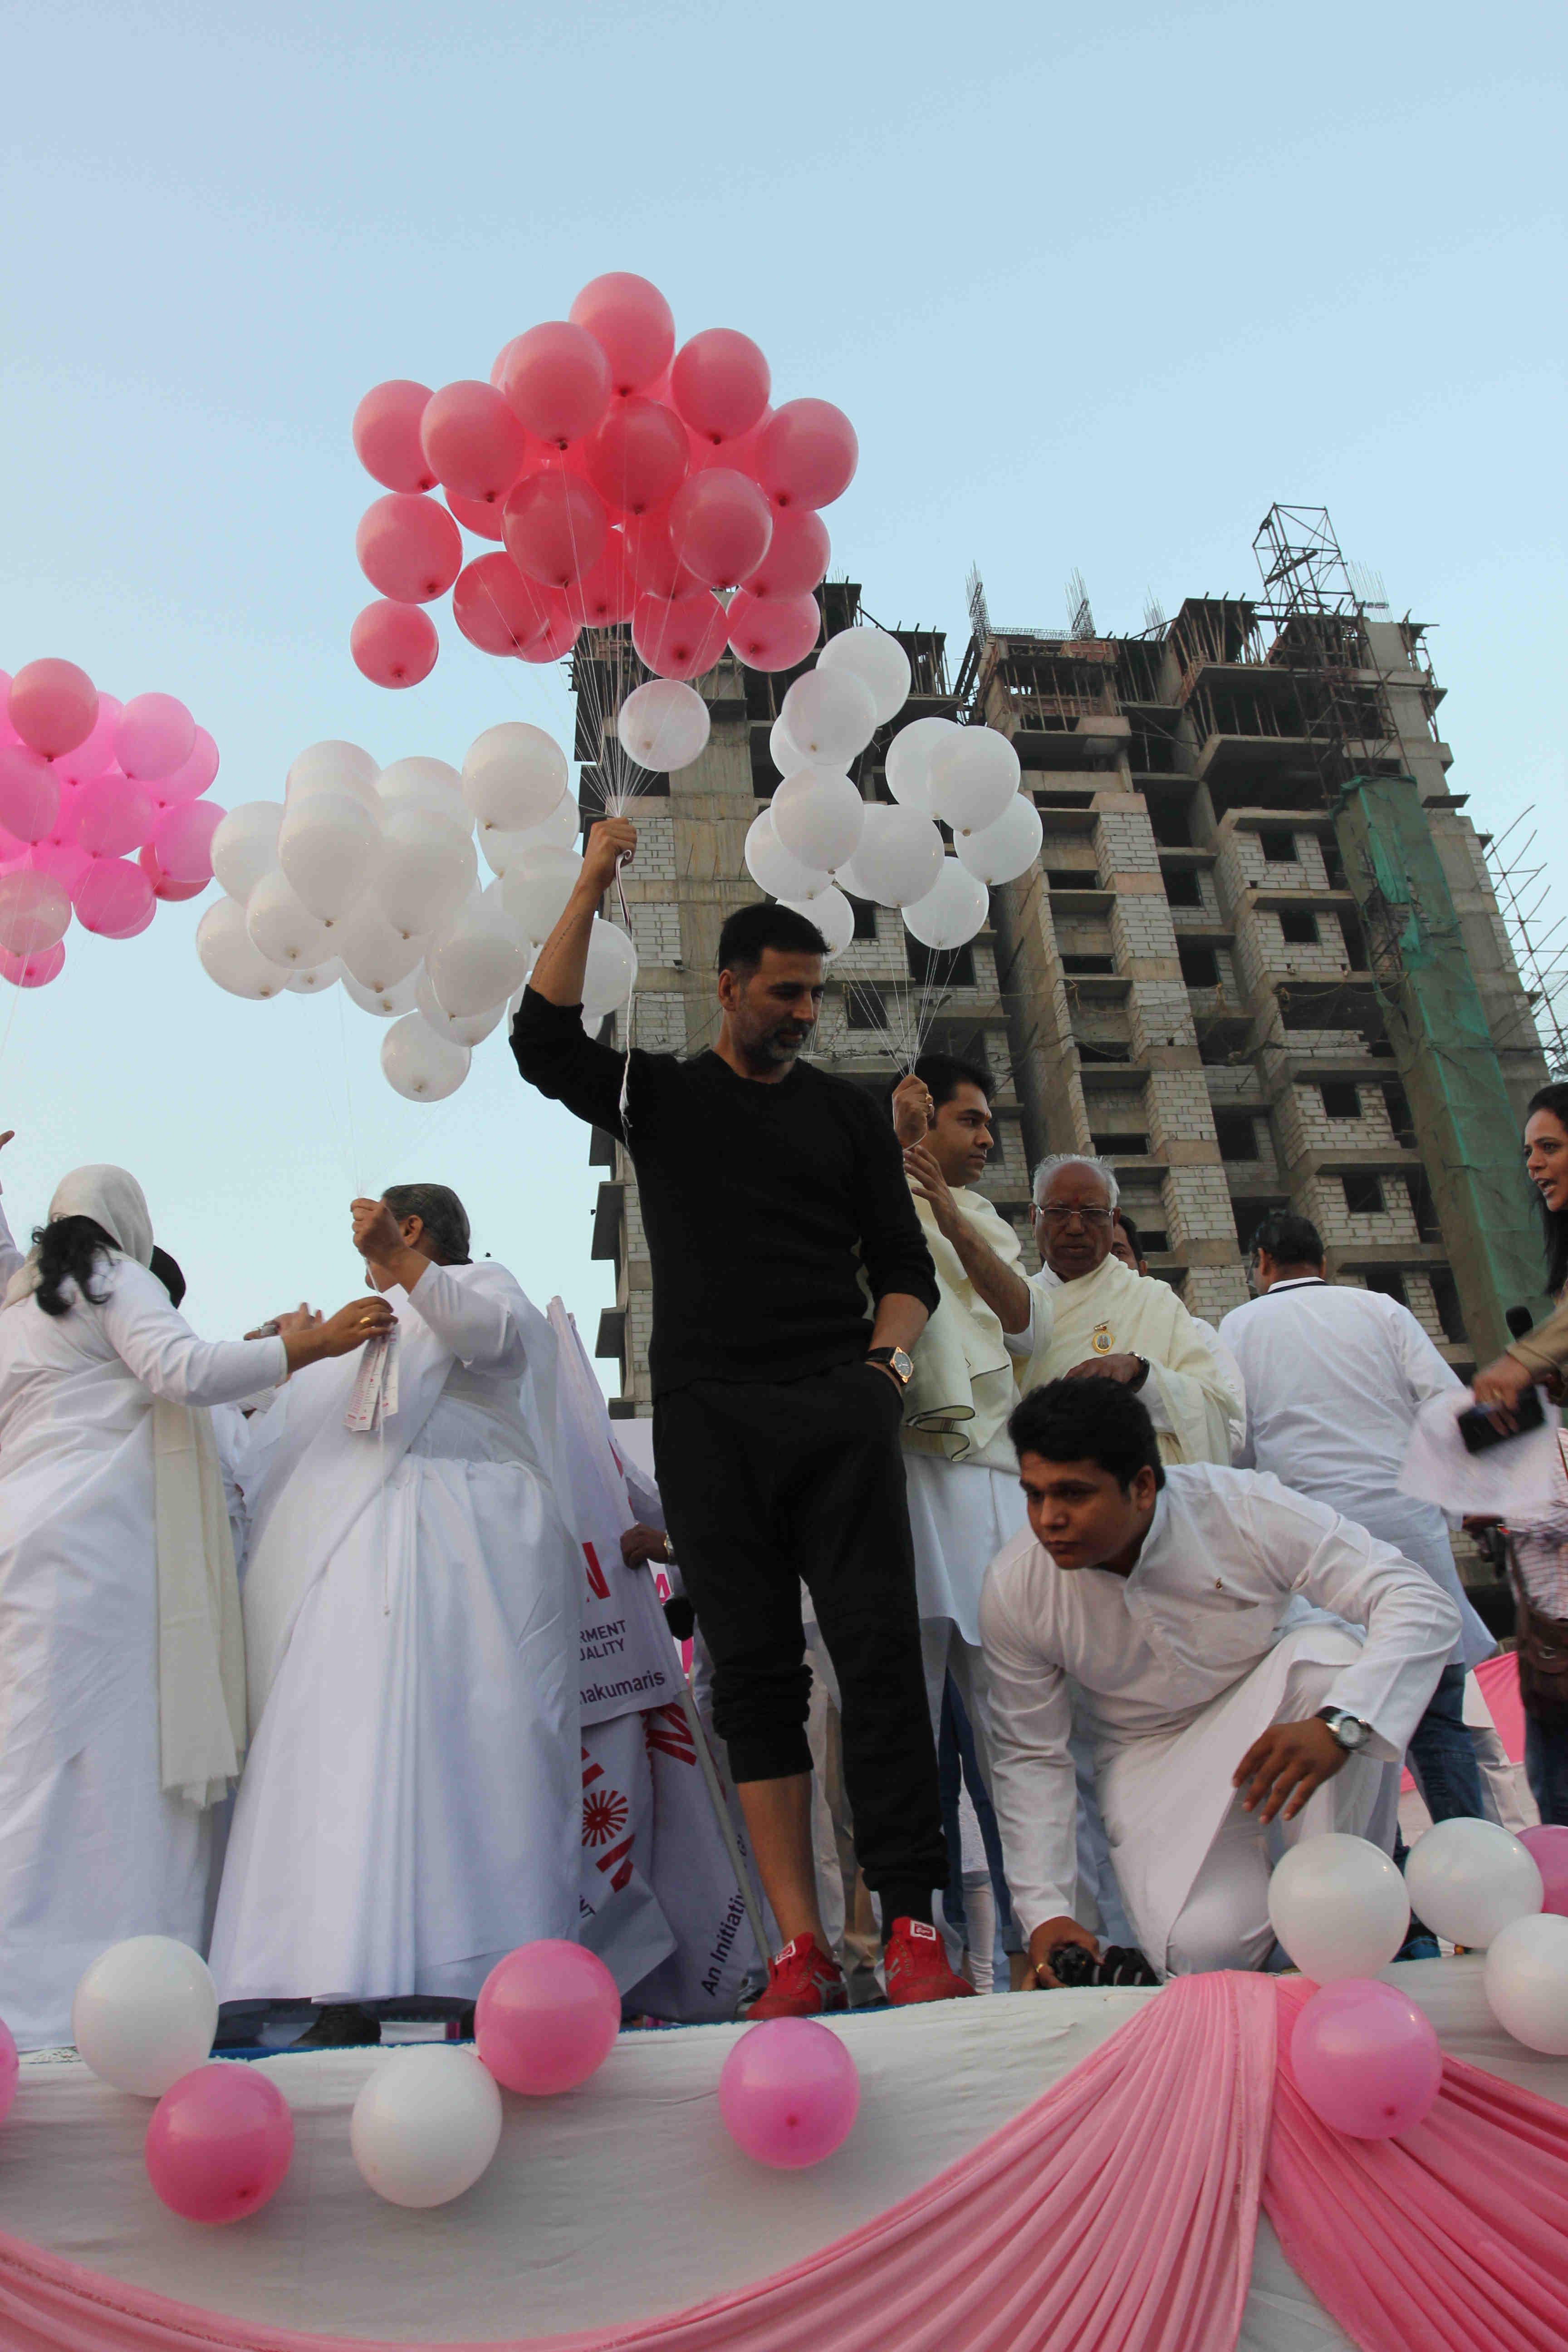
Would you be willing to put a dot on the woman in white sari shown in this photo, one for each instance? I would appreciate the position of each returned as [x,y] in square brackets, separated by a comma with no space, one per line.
[122,1690]
[412,1807]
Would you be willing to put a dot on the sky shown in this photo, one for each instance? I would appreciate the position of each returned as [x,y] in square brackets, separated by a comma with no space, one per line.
[1095,290]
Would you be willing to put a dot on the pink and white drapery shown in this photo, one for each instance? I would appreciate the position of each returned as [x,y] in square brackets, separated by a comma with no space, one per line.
[1117,2214]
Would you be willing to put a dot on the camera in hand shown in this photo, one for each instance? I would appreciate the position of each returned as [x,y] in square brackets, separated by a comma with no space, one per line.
[1481,1431]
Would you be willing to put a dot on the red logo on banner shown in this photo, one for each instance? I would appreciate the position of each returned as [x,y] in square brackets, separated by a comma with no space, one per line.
[597,1583]
[605,1816]
[666,1728]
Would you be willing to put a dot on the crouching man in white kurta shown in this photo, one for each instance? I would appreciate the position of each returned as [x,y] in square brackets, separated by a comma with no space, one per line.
[411,1808]
[1221,1731]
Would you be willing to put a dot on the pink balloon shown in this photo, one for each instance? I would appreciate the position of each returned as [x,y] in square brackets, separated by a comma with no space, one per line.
[559,638]
[10,2066]
[554,527]
[606,593]
[29,794]
[656,567]
[8,732]
[36,970]
[476,514]
[719,383]
[113,899]
[386,434]
[394,644]
[34,912]
[740,453]
[500,610]
[220,2142]
[789,2093]
[809,454]
[773,632]
[182,840]
[558,380]
[1365,2059]
[680,636]
[91,758]
[155,736]
[546,2017]
[61,860]
[638,457]
[633,325]
[720,525]
[111,815]
[189,780]
[408,548]
[162,886]
[52,706]
[1549,1844]
[473,441]
[797,559]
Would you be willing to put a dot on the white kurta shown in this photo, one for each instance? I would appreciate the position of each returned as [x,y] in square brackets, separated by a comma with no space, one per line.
[1179,1638]
[1335,1380]
[1190,1392]
[411,1807]
[92,1850]
[10,1256]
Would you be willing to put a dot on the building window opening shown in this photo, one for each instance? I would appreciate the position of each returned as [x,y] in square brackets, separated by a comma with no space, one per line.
[1363,1195]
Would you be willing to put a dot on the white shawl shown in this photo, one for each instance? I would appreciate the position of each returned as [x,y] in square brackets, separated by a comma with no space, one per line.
[1114,1311]
[957,1405]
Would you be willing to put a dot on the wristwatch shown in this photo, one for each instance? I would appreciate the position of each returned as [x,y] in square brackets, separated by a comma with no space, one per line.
[895,1362]
[1347,1730]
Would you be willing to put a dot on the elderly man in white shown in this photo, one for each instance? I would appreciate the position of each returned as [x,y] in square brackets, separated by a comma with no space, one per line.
[1219,1727]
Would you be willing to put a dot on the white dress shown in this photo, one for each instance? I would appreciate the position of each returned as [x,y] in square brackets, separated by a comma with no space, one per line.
[91,1849]
[410,1811]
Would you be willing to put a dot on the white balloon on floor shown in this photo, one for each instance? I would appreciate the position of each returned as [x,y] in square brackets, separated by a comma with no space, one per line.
[817,817]
[829,715]
[418,1064]
[513,775]
[908,764]
[534,890]
[663,726]
[144,2013]
[1003,851]
[973,773]
[612,969]
[425,2126]
[951,911]
[230,957]
[877,660]
[832,914]
[1338,1905]
[282,926]
[773,869]
[1527,1980]
[329,845]
[1467,1878]
[244,847]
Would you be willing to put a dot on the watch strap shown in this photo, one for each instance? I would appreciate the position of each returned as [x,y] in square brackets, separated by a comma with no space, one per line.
[888,1357]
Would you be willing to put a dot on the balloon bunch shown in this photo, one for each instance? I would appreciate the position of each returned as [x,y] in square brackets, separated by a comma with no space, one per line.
[101,813]
[626,480]
[369,879]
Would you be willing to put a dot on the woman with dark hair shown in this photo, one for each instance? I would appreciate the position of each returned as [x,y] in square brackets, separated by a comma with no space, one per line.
[121,1685]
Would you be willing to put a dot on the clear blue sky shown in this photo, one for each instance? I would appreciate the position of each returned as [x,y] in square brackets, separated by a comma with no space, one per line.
[1094,293]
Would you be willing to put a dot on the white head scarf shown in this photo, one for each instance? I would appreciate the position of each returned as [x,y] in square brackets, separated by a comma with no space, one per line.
[112,1198]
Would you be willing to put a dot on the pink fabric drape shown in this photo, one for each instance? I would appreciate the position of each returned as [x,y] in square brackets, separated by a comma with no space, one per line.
[1117,2214]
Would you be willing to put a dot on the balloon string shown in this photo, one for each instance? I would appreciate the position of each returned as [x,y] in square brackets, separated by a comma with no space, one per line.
[355,1169]
[17,995]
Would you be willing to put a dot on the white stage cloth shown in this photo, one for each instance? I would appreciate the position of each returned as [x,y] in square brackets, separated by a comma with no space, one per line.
[621,2201]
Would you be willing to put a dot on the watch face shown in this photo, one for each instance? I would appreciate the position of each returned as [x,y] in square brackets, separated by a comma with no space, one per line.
[903,1365]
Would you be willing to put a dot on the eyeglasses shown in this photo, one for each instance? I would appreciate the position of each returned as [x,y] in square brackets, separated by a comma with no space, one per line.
[1086,1216]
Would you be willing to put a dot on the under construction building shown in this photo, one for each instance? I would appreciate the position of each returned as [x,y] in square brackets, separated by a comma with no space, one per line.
[1259,962]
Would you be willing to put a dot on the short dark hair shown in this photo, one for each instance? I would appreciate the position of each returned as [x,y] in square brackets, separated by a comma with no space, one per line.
[439,1211]
[1119,1217]
[1288,1239]
[944,1074]
[1096,1421]
[750,932]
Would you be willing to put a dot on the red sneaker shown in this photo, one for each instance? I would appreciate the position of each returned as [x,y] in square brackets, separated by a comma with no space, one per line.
[915,1966]
[802,1981]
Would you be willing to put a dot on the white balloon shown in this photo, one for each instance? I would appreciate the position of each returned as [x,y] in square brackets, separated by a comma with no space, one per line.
[1005,849]
[771,868]
[513,775]
[231,957]
[535,890]
[500,851]
[785,756]
[387,1003]
[418,1064]
[282,926]
[422,782]
[829,715]
[951,911]
[462,1029]
[612,969]
[317,981]
[817,816]
[478,961]
[144,2013]
[333,767]
[1467,1878]
[1526,1980]
[426,2124]
[908,764]
[329,845]
[832,914]
[663,725]
[244,847]
[973,774]
[427,868]
[1339,1907]
[877,660]
[374,952]
[34,912]
[899,857]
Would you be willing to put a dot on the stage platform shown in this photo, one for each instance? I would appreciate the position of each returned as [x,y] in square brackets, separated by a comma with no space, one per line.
[621,2201]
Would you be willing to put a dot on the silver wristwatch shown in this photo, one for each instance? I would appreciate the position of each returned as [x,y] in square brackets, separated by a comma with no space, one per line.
[1347,1730]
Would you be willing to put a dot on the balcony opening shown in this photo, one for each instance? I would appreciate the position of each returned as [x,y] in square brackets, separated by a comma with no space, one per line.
[1200,965]
[1300,929]
[1183,889]
[1340,1099]
[1236,1133]
[1363,1195]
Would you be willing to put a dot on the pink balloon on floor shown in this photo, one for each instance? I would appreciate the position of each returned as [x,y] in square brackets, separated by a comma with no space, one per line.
[497,609]
[408,548]
[30,792]
[162,886]
[720,526]
[1365,2059]
[10,2066]
[557,379]
[112,814]
[546,2017]
[719,383]
[474,441]
[797,559]
[97,753]
[220,2143]
[191,779]
[1548,1844]
[633,325]
[52,706]
[554,526]
[114,899]
[476,514]
[182,840]
[773,632]
[679,637]
[394,644]
[34,970]
[789,2093]
[638,457]
[809,454]
[157,735]
[386,434]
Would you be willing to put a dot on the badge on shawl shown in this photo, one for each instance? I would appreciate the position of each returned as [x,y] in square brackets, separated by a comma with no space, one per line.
[1100,1340]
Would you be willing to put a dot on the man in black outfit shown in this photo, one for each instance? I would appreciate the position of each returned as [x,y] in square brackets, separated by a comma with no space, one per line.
[790,1281]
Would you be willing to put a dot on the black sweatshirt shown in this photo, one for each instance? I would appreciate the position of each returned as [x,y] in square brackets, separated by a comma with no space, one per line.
[760,1201]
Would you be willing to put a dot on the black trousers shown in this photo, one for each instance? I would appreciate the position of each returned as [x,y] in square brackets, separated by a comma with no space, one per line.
[764,1485]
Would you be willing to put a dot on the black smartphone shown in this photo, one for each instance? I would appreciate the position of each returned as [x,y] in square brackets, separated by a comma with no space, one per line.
[1480,1430]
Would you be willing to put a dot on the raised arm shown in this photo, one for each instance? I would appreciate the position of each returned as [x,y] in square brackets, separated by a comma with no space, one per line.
[160,1348]
[558,971]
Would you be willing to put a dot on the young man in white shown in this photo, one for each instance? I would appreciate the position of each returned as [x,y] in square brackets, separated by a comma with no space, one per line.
[1219,1730]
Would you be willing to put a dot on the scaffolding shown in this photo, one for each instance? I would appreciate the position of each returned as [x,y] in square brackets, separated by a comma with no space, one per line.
[1536,936]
